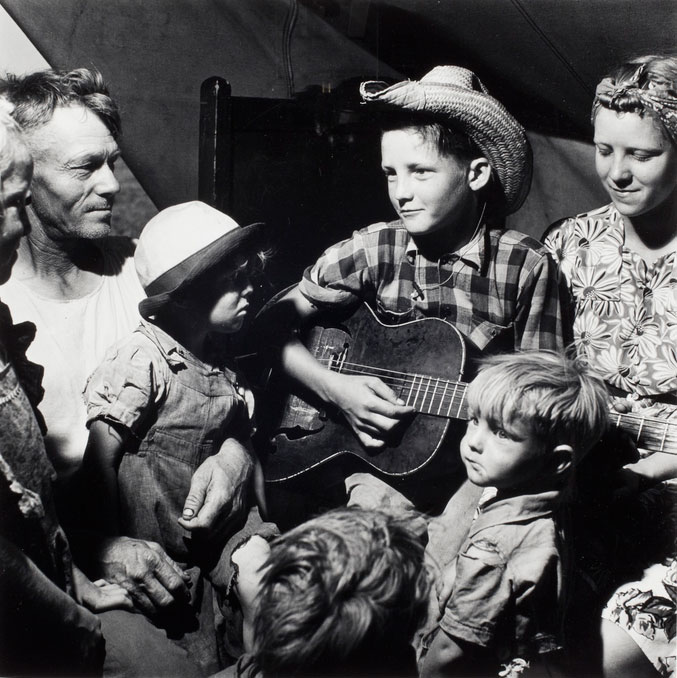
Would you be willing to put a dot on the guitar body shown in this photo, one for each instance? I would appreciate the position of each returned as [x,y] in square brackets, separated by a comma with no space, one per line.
[300,435]
[307,436]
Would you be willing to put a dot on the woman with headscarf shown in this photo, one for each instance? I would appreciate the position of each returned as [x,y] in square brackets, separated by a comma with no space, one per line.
[621,264]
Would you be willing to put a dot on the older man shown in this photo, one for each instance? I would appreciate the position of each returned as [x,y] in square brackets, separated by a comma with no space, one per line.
[78,285]
[74,282]
[53,619]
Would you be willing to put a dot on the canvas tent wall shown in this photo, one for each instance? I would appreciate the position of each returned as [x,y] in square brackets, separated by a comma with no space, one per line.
[541,57]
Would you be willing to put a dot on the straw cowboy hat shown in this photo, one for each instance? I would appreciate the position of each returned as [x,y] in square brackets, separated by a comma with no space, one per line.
[456,95]
[181,243]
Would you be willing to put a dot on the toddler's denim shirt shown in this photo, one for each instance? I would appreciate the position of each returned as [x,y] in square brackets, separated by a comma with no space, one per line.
[179,410]
[507,593]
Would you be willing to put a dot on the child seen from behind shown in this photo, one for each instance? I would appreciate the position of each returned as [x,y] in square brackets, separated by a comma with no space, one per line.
[339,595]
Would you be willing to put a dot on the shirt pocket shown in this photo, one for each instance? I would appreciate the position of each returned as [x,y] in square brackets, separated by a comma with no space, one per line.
[486,335]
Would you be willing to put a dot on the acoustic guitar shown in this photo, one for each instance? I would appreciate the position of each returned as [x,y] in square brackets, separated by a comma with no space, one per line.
[422,361]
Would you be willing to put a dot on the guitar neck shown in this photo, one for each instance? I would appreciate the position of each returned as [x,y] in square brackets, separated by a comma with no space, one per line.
[436,397]
[444,398]
[658,435]
[428,395]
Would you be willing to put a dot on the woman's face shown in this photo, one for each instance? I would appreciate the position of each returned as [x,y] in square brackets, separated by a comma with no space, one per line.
[635,160]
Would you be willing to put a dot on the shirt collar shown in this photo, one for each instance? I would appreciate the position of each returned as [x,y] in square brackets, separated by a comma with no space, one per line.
[616,220]
[498,509]
[171,350]
[473,254]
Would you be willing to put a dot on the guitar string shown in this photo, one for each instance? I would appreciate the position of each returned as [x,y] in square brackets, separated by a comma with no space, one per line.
[444,389]
[383,370]
[411,378]
[404,379]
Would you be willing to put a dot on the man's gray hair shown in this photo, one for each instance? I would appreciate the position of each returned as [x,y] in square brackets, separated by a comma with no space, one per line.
[10,136]
[35,96]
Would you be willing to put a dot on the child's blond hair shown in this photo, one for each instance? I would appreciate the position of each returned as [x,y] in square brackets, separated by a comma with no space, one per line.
[560,399]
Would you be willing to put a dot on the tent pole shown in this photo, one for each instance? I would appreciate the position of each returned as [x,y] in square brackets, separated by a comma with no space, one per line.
[215,154]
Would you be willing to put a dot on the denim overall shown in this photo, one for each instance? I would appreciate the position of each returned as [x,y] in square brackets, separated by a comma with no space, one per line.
[201,408]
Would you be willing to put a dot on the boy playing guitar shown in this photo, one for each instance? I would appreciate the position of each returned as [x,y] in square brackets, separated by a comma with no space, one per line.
[456,162]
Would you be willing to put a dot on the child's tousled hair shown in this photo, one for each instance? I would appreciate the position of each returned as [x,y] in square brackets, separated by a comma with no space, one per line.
[559,398]
[342,593]
[447,139]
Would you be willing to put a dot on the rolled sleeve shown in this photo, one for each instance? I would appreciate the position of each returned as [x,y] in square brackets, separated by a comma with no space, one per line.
[341,275]
[123,387]
[480,596]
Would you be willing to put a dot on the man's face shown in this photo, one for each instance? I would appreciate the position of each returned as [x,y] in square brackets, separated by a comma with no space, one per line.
[74,186]
[16,179]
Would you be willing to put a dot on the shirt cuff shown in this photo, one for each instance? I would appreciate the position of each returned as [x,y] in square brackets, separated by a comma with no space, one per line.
[325,296]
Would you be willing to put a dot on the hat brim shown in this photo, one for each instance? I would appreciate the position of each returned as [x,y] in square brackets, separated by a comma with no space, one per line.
[484,119]
[244,240]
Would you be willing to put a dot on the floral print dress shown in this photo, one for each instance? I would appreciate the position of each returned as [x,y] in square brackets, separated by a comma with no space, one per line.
[626,309]
[626,325]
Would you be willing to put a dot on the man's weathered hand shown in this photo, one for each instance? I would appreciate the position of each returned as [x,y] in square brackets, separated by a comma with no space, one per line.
[151,577]
[218,491]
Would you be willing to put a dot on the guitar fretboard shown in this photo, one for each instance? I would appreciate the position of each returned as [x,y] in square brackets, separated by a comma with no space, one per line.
[444,398]
[655,434]
[427,395]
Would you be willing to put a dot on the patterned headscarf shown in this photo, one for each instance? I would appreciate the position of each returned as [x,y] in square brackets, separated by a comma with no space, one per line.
[659,98]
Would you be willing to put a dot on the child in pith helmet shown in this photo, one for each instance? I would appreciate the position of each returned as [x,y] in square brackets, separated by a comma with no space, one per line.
[165,408]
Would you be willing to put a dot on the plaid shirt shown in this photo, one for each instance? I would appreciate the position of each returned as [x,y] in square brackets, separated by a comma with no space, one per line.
[501,289]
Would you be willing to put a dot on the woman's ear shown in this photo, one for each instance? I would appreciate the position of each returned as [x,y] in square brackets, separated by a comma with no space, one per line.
[479,173]
[563,459]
